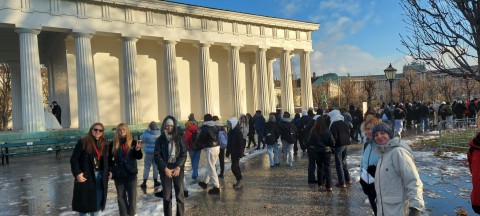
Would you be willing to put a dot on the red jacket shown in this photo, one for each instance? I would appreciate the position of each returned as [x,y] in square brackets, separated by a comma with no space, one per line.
[474,166]
[187,136]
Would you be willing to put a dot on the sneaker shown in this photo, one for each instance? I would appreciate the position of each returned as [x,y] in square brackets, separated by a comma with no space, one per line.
[220,176]
[156,184]
[238,185]
[214,190]
[203,185]
[340,185]
[185,193]
[159,194]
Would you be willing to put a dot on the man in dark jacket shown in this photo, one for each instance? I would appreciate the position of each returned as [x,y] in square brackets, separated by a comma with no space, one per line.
[303,133]
[271,133]
[170,155]
[259,123]
[208,139]
[235,149]
[57,111]
[340,132]
[288,133]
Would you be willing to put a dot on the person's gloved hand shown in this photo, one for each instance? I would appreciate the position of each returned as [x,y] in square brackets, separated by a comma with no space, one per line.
[414,212]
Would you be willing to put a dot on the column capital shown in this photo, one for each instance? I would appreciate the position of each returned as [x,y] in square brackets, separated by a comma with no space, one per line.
[130,37]
[28,30]
[307,50]
[236,45]
[204,44]
[169,41]
[82,34]
[263,47]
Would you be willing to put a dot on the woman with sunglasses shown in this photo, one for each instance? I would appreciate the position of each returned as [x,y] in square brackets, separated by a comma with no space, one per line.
[398,185]
[89,164]
[126,151]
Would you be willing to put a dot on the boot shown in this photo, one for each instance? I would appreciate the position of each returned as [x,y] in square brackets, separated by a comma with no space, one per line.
[238,185]
[214,190]
[156,183]
[185,193]
[144,184]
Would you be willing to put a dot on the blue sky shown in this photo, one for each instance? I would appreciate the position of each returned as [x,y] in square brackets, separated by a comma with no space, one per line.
[359,37]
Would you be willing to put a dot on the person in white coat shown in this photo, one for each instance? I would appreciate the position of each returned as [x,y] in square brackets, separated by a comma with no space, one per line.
[398,185]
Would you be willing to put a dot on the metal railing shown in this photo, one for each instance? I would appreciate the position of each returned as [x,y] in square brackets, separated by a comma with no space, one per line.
[457,133]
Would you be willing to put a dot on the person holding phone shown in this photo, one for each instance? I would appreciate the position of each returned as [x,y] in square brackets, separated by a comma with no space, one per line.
[170,155]
[125,152]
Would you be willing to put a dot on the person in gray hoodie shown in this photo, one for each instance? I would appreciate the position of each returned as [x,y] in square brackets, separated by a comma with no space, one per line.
[398,185]
[340,131]
[149,137]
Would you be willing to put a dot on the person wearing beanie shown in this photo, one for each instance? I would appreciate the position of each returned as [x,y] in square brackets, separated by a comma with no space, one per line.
[341,133]
[396,176]
[170,155]
[208,140]
[149,137]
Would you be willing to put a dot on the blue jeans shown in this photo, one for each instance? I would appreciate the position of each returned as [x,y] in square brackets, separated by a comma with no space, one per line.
[341,164]
[99,185]
[195,160]
[148,162]
[423,123]
[273,154]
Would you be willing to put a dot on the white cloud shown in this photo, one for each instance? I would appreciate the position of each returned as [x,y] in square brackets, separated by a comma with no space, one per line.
[291,7]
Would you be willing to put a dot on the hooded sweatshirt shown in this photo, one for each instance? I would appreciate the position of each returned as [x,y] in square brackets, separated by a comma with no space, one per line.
[162,153]
[397,182]
[340,130]
[236,143]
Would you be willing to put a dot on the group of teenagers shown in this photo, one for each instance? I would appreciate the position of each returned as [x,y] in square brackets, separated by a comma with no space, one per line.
[95,160]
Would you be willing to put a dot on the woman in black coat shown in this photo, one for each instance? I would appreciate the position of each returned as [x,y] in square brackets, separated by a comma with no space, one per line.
[125,150]
[235,149]
[251,131]
[320,143]
[89,165]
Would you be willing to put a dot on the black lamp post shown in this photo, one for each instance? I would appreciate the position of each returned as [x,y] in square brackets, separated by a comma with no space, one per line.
[390,74]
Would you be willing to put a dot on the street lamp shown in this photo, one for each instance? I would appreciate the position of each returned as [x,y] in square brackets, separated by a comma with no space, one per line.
[390,74]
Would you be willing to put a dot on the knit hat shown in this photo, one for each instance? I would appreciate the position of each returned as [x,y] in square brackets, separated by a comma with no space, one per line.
[169,122]
[383,127]
[153,126]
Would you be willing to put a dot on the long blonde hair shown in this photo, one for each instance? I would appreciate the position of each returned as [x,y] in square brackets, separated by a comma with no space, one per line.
[370,119]
[116,138]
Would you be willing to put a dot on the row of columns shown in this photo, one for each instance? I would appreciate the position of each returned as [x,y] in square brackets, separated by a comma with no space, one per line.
[32,116]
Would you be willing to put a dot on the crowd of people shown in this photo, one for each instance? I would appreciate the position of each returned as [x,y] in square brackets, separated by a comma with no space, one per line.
[394,188]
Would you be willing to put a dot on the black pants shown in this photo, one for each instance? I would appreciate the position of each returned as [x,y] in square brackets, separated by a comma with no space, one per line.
[251,138]
[236,168]
[127,195]
[221,158]
[311,167]
[369,190]
[323,169]
[167,193]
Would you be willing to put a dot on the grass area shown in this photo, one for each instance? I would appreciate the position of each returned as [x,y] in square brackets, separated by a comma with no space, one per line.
[455,140]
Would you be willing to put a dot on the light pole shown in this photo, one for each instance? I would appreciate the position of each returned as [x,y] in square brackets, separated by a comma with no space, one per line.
[390,74]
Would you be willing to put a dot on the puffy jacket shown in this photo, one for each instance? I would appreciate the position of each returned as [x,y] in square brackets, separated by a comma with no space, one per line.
[473,157]
[208,136]
[369,159]
[161,155]
[398,113]
[187,136]
[274,129]
[259,123]
[149,137]
[397,182]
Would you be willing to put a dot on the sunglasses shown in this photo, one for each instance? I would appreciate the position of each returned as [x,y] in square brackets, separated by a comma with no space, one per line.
[97,130]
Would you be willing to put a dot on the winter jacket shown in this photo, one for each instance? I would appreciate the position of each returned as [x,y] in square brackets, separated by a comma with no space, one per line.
[286,128]
[422,111]
[459,110]
[236,142]
[161,154]
[131,157]
[149,137]
[275,132]
[340,130]
[259,123]
[397,182]
[187,136]
[398,114]
[85,193]
[321,143]
[369,160]
[244,128]
[208,136]
[473,157]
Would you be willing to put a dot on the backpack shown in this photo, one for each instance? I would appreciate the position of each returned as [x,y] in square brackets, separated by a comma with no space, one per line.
[270,136]
[195,144]
[222,139]
[288,132]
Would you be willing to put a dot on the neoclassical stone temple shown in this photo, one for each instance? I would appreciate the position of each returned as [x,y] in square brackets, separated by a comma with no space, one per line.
[136,61]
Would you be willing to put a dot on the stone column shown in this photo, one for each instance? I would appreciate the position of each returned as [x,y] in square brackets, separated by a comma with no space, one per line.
[16,96]
[262,79]
[86,84]
[206,77]
[254,85]
[271,86]
[306,81]
[170,62]
[286,79]
[131,85]
[33,117]
[237,95]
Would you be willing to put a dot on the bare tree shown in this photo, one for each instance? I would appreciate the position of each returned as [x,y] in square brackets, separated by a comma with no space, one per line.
[447,89]
[468,86]
[347,87]
[5,96]
[444,34]
[402,89]
[431,87]
[369,88]
[411,77]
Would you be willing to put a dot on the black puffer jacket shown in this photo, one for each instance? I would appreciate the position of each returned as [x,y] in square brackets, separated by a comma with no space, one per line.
[160,153]
[208,136]
[236,142]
